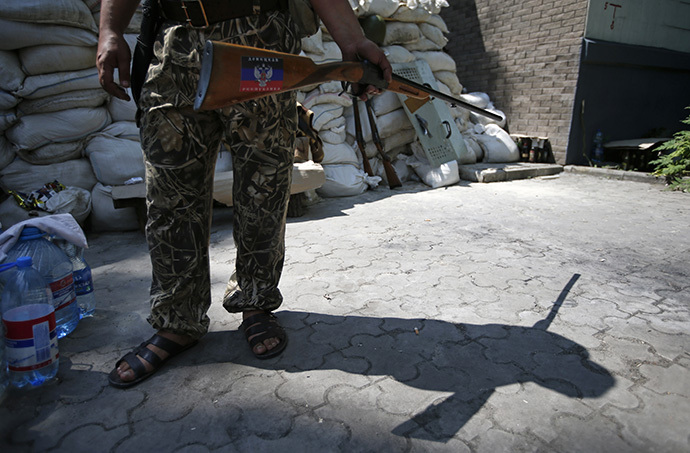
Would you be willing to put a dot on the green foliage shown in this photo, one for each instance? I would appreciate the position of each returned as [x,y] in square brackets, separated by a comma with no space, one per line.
[675,165]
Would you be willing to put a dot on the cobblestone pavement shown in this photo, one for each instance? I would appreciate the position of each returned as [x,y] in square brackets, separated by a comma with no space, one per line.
[548,314]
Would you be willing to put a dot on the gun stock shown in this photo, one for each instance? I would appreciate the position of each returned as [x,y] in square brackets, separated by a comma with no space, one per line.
[232,73]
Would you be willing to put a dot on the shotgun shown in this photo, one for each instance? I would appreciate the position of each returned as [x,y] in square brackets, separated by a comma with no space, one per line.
[361,144]
[391,175]
[232,73]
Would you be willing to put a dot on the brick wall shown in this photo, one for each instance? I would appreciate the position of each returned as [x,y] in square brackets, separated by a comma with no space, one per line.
[525,56]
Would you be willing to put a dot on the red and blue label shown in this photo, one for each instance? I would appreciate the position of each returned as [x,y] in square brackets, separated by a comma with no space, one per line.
[30,344]
[261,74]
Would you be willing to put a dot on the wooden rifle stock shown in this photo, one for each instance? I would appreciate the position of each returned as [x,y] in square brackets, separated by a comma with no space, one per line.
[391,175]
[231,73]
[361,144]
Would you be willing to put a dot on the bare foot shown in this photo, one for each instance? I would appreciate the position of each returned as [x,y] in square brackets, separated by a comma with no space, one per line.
[127,374]
[267,344]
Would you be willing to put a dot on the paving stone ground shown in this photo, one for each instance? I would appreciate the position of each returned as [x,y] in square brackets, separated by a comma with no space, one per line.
[548,314]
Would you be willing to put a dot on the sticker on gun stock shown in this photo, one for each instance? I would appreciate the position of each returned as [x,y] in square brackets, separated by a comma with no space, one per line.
[261,74]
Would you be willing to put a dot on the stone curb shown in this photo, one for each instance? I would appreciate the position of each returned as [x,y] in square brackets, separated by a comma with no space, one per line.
[621,175]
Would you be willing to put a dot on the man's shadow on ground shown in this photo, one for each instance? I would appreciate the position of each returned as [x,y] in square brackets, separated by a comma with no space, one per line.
[468,359]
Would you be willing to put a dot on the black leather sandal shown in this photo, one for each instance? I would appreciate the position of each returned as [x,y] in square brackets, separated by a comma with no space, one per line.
[140,373]
[263,326]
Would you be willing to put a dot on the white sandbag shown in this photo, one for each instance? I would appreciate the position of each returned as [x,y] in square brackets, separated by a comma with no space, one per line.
[341,153]
[7,100]
[507,141]
[388,125]
[323,113]
[25,177]
[313,44]
[472,144]
[44,85]
[34,131]
[115,160]
[7,152]
[345,181]
[431,6]
[444,175]
[104,216]
[335,123]
[434,34]
[333,135]
[384,8]
[94,97]
[477,99]
[17,35]
[56,58]
[66,12]
[438,61]
[331,53]
[401,33]
[52,153]
[398,54]
[318,97]
[11,213]
[385,102]
[7,119]
[402,170]
[450,79]
[123,129]
[11,74]
[423,45]
[121,110]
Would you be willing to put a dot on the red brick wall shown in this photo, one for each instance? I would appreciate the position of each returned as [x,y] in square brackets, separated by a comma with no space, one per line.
[525,56]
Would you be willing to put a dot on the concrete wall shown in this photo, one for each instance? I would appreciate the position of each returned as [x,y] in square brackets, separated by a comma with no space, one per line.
[525,55]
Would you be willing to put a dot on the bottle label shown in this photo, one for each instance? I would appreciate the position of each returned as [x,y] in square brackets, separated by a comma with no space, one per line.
[29,344]
[83,284]
[63,292]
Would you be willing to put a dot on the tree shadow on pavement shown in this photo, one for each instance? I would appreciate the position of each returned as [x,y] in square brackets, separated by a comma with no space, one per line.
[469,360]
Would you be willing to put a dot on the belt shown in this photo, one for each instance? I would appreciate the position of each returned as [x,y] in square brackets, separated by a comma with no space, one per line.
[202,13]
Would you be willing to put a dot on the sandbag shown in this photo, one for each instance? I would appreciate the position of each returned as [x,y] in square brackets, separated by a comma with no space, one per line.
[385,102]
[401,33]
[334,135]
[34,131]
[25,177]
[115,160]
[17,35]
[438,61]
[341,153]
[323,113]
[52,153]
[44,85]
[398,54]
[450,79]
[123,129]
[121,110]
[56,58]
[11,74]
[345,180]
[7,119]
[7,152]
[94,97]
[444,175]
[105,217]
[7,100]
[66,12]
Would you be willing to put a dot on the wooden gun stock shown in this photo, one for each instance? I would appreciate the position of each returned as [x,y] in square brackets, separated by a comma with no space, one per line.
[231,73]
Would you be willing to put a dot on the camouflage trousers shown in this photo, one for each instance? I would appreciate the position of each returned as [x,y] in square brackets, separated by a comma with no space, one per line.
[180,150]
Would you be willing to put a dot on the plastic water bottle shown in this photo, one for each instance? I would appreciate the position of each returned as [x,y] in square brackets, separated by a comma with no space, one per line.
[598,154]
[6,271]
[56,269]
[28,318]
[83,282]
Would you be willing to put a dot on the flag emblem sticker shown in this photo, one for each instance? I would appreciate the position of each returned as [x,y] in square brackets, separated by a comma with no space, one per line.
[261,74]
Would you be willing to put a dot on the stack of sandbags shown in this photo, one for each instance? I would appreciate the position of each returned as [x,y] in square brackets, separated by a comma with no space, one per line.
[51,99]
[414,31]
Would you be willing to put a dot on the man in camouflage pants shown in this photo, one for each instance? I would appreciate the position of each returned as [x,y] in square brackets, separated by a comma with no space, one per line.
[181,147]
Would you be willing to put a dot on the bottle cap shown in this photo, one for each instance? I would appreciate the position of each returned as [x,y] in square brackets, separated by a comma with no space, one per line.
[24,261]
[29,232]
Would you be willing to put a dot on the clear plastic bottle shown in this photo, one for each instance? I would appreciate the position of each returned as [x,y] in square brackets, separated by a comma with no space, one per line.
[56,269]
[28,318]
[7,270]
[83,282]
[598,153]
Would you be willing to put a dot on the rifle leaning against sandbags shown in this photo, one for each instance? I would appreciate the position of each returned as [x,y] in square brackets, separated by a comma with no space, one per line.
[232,73]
